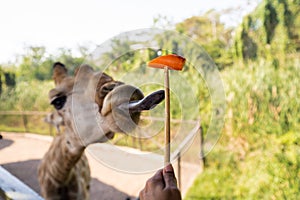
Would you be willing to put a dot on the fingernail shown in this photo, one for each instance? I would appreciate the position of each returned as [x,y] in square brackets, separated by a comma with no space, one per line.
[169,168]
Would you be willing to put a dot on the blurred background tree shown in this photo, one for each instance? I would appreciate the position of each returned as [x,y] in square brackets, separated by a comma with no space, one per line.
[211,33]
[270,32]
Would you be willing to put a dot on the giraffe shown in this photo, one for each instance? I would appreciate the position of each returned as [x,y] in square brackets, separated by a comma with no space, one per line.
[93,107]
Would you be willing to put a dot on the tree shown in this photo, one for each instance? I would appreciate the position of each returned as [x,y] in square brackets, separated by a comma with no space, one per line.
[269,32]
[211,33]
[247,49]
[67,57]
[10,79]
[35,64]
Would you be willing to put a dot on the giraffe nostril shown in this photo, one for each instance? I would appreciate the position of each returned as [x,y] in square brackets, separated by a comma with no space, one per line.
[110,135]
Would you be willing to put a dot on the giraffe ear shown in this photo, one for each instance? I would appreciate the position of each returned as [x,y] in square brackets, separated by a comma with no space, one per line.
[59,72]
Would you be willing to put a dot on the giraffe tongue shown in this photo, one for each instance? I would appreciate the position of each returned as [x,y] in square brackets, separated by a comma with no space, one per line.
[147,103]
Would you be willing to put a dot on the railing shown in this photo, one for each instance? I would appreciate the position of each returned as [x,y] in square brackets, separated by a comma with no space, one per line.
[12,188]
[25,125]
[175,155]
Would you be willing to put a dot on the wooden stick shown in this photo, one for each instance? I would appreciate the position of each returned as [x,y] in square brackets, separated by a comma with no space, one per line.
[179,170]
[167,62]
[167,117]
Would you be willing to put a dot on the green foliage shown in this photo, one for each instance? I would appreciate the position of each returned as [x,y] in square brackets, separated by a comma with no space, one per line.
[25,123]
[258,156]
[270,32]
[34,65]
[7,79]
[208,31]
[10,79]
[27,96]
[122,59]
[247,50]
[270,21]
[265,172]
[264,95]
[66,56]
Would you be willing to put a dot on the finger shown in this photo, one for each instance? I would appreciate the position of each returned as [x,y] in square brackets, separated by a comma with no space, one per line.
[141,195]
[169,176]
[156,180]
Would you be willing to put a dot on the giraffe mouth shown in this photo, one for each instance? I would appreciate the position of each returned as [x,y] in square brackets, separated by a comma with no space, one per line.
[128,99]
[124,104]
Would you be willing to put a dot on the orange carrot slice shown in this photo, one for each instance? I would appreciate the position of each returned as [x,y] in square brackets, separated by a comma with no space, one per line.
[171,61]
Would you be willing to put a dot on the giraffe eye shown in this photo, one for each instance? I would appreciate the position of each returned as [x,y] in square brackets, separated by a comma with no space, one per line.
[59,102]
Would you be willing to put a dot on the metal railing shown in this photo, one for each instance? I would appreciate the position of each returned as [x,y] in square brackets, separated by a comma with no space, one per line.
[175,155]
[12,188]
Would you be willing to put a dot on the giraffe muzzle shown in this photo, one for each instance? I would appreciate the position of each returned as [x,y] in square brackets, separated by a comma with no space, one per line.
[125,103]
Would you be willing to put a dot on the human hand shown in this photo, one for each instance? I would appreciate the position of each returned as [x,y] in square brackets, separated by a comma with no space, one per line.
[161,186]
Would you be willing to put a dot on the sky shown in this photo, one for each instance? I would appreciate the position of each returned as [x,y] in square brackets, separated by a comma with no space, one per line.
[70,23]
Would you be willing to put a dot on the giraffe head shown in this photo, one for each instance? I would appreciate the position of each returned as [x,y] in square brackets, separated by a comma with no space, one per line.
[94,106]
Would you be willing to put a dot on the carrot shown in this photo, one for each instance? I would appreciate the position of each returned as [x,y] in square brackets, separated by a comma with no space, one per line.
[171,61]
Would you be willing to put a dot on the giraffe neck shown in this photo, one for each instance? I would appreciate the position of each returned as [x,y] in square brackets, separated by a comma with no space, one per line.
[63,154]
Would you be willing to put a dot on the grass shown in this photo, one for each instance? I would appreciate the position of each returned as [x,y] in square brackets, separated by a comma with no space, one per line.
[258,154]
[265,168]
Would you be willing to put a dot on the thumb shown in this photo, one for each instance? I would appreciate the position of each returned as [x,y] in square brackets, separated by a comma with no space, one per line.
[169,176]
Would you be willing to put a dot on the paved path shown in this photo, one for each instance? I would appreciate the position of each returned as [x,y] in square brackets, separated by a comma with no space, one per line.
[21,153]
